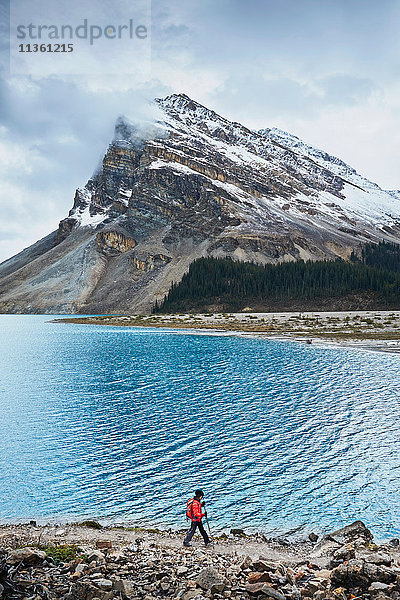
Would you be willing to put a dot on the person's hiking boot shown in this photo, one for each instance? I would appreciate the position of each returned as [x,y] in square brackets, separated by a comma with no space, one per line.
[187,544]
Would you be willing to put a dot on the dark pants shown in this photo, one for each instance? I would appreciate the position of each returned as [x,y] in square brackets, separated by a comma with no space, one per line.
[192,530]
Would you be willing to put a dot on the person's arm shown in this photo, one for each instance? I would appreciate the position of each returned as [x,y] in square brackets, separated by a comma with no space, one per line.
[197,510]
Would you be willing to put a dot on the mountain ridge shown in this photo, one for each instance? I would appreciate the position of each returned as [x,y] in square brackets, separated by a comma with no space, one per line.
[187,184]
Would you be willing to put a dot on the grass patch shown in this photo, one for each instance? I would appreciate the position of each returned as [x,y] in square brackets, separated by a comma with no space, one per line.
[63,553]
[90,525]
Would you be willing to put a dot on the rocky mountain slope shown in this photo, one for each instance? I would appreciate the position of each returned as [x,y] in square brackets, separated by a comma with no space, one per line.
[193,184]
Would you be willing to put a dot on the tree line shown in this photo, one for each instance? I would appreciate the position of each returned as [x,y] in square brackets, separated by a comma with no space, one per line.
[374,269]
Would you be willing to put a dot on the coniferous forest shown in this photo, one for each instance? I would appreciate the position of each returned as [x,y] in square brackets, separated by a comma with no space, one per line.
[370,280]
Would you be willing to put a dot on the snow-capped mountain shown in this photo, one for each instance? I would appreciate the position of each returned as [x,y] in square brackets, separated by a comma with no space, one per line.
[187,184]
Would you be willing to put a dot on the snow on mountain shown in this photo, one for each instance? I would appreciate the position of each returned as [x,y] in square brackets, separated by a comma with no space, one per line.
[191,183]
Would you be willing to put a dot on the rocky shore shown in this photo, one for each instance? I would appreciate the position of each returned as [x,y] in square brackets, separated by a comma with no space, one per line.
[94,563]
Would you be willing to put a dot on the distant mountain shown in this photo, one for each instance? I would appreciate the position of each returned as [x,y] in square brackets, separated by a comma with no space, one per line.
[187,185]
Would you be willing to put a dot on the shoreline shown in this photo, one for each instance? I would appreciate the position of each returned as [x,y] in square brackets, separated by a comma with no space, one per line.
[377,331]
[88,562]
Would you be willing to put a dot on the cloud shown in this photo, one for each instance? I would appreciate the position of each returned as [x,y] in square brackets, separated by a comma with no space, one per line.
[325,71]
[54,134]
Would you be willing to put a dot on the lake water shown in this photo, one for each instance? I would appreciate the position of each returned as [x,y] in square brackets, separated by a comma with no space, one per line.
[122,424]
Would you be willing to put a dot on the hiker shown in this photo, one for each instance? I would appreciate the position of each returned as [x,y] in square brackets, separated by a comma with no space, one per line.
[195,513]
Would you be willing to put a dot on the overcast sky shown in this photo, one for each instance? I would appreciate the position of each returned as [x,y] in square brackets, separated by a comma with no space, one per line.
[325,70]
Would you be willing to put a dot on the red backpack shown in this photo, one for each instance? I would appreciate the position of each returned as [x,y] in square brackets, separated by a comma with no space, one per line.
[189,509]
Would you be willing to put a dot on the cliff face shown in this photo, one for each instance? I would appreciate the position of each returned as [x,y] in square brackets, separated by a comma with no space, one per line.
[196,185]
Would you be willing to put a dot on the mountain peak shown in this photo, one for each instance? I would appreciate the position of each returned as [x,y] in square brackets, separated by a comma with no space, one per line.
[180,182]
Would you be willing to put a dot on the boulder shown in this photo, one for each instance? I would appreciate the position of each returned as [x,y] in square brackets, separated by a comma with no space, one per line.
[208,578]
[374,557]
[379,573]
[254,588]
[346,552]
[313,537]
[323,575]
[351,532]
[103,584]
[259,577]
[103,544]
[263,564]
[246,563]
[340,593]
[124,587]
[97,557]
[82,590]
[378,586]
[28,556]
[325,547]
[190,594]
[271,593]
[357,573]
[350,575]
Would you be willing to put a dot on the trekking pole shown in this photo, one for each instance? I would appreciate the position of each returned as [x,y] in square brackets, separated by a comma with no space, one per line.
[206,518]
[208,525]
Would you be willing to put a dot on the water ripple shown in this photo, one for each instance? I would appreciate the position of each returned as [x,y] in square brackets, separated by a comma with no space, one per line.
[122,424]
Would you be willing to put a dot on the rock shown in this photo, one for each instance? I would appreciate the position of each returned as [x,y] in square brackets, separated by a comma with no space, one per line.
[271,593]
[83,590]
[311,587]
[124,587]
[97,557]
[103,584]
[29,556]
[378,586]
[339,593]
[357,573]
[237,531]
[346,552]
[351,532]
[325,547]
[81,568]
[350,575]
[322,575]
[374,557]
[264,564]
[209,577]
[182,570]
[245,564]
[394,542]
[379,573]
[165,584]
[259,577]
[313,537]
[103,544]
[190,594]
[254,588]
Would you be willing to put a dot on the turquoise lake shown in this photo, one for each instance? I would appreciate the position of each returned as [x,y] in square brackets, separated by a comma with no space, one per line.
[122,424]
